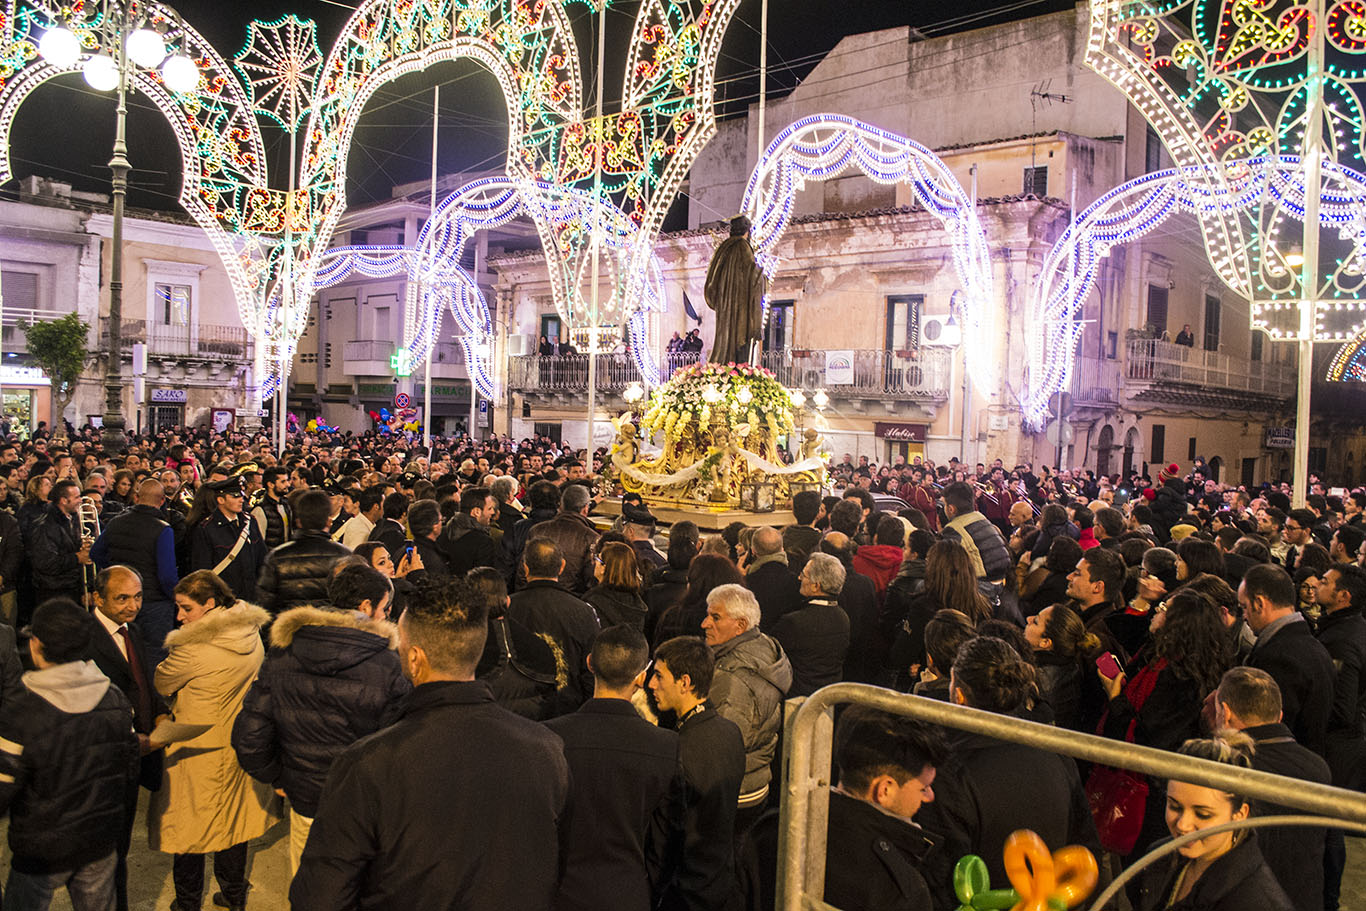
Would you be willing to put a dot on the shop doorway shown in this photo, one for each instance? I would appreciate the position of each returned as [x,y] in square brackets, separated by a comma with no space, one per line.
[162,418]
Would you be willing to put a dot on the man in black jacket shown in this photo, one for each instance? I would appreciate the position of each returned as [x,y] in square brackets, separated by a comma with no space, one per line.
[332,677]
[119,651]
[465,542]
[875,851]
[141,537]
[1287,650]
[457,804]
[816,635]
[858,599]
[774,585]
[546,608]
[626,787]
[1342,631]
[272,515]
[68,756]
[1248,700]
[389,531]
[297,572]
[543,498]
[57,550]
[713,756]
[575,536]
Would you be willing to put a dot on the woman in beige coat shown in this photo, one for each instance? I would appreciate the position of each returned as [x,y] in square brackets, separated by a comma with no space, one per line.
[207,803]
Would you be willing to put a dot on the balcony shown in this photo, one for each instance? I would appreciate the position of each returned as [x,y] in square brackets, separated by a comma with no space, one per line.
[921,374]
[219,343]
[568,374]
[368,357]
[12,338]
[1156,370]
[1096,381]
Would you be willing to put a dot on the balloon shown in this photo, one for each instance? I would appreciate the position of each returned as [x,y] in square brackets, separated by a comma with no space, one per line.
[1046,881]
[972,886]
[312,425]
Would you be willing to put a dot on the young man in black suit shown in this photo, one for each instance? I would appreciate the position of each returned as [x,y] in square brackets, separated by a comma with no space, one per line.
[625,786]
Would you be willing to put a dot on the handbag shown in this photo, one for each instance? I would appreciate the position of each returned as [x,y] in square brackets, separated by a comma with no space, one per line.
[1119,797]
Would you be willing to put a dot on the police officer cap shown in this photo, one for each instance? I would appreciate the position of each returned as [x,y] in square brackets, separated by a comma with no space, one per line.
[229,487]
[637,515]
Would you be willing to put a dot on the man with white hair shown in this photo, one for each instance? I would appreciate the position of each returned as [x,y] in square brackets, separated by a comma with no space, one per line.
[752,677]
[816,636]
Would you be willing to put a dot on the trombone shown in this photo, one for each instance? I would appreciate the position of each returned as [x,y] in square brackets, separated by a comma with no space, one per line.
[89,515]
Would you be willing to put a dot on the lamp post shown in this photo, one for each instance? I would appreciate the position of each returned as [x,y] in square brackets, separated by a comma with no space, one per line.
[123,39]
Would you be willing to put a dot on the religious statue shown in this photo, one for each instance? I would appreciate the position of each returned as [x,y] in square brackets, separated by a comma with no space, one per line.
[811,444]
[735,290]
[626,445]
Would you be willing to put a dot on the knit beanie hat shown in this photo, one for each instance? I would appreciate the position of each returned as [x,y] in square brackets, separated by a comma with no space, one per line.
[1170,473]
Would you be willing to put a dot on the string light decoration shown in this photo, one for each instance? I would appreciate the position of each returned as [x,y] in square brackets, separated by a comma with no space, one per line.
[1272,184]
[221,149]
[268,237]
[437,282]
[1229,81]
[823,146]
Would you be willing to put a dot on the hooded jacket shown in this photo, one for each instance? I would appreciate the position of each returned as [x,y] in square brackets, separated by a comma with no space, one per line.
[207,802]
[332,678]
[881,563]
[752,677]
[465,544]
[67,759]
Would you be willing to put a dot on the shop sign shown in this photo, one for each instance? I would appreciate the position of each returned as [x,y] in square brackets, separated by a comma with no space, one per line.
[901,433]
[384,389]
[1280,438]
[169,396]
[15,375]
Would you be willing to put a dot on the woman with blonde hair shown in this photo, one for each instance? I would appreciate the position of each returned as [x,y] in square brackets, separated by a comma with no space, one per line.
[207,804]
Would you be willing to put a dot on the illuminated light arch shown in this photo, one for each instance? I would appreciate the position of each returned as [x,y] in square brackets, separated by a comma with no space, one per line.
[1129,212]
[433,266]
[821,147]
[666,118]
[225,189]
[1349,364]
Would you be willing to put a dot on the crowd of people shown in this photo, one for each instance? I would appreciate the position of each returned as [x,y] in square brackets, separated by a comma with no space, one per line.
[463,686]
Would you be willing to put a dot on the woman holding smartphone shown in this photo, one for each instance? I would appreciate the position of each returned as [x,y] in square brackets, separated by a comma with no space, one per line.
[1157,700]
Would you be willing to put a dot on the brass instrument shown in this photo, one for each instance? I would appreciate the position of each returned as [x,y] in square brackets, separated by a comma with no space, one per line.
[1024,495]
[987,491]
[89,516]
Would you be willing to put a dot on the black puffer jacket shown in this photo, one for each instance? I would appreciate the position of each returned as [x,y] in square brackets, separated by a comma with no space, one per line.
[1169,506]
[332,677]
[296,573]
[76,758]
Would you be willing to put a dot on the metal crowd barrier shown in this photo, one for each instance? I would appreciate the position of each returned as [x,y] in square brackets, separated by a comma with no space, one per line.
[808,735]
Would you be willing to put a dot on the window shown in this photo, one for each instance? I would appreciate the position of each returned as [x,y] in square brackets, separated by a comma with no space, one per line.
[1152,152]
[1255,353]
[172,304]
[1190,450]
[1111,345]
[778,329]
[545,429]
[903,321]
[1036,181]
[1318,459]
[20,290]
[1157,309]
[1212,309]
[1158,454]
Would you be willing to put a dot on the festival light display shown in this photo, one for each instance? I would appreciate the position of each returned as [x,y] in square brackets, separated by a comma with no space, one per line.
[820,148]
[438,282]
[1227,81]
[221,149]
[1272,184]
[270,239]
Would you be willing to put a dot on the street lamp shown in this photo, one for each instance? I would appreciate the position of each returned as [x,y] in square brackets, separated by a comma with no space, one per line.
[125,33]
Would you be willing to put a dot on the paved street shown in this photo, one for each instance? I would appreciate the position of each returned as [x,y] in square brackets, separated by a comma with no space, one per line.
[150,873]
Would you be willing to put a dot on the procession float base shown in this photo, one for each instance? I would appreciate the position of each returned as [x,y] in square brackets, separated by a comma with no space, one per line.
[707,519]
[720,428]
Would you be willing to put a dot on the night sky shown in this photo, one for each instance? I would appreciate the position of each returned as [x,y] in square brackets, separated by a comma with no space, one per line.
[65,129]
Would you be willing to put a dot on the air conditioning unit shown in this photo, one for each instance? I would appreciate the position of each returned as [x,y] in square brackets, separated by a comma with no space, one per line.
[521,345]
[933,332]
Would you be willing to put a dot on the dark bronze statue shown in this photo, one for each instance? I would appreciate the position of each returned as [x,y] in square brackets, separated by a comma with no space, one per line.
[735,290]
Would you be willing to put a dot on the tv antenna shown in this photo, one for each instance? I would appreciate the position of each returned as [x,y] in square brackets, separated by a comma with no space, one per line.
[1041,96]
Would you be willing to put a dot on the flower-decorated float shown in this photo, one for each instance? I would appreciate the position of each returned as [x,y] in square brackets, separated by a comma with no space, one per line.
[719,426]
